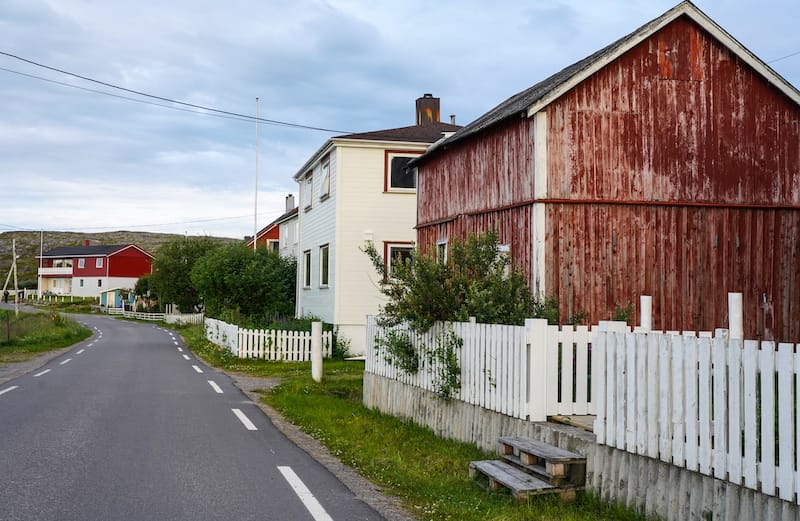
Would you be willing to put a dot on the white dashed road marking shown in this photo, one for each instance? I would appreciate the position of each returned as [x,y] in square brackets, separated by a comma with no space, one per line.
[305,495]
[245,420]
[186,357]
[214,386]
[180,349]
[40,373]
[196,368]
[9,389]
[80,352]
[68,360]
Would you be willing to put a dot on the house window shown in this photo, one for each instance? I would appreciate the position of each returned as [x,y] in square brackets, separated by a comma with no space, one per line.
[397,254]
[397,177]
[441,250]
[80,282]
[81,263]
[504,252]
[323,265]
[99,283]
[274,246]
[308,191]
[325,189]
[307,269]
[98,263]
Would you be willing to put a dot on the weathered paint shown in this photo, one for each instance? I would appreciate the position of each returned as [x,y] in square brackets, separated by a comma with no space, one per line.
[673,171]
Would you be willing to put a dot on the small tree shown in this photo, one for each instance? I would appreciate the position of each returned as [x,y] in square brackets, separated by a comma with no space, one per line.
[256,286]
[171,268]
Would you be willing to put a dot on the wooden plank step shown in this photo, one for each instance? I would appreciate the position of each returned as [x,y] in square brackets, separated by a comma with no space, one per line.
[536,448]
[519,483]
[574,474]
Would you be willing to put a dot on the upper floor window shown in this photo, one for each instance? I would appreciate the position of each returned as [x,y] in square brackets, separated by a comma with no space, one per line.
[308,190]
[325,174]
[81,263]
[397,177]
[98,263]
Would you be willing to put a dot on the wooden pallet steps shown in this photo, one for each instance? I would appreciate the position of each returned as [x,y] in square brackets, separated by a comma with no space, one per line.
[517,481]
[553,464]
[528,467]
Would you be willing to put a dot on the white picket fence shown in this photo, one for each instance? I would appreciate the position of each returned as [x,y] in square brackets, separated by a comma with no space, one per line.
[265,344]
[528,372]
[169,318]
[719,406]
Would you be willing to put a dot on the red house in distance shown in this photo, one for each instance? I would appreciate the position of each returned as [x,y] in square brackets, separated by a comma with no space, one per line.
[88,270]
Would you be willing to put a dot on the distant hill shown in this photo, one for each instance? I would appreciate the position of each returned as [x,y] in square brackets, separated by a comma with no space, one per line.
[28,247]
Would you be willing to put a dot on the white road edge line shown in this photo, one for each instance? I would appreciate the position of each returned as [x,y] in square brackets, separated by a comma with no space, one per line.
[41,373]
[217,388]
[180,349]
[9,389]
[250,426]
[175,342]
[305,495]
[196,368]
[186,357]
[80,352]
[68,360]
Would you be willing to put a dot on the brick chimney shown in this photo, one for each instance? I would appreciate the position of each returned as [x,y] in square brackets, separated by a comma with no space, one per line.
[87,242]
[427,109]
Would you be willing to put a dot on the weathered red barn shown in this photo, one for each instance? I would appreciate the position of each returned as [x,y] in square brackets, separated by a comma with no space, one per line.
[666,164]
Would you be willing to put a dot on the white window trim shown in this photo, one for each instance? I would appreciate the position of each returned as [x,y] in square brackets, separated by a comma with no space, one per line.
[325,175]
[439,244]
[389,247]
[81,263]
[98,262]
[388,173]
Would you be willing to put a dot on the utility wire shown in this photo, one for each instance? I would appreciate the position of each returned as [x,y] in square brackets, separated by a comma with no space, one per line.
[42,78]
[784,57]
[169,100]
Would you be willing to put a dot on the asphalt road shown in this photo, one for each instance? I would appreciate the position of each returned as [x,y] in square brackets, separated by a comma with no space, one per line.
[128,425]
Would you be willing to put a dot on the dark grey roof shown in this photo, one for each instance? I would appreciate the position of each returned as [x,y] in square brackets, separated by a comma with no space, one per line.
[83,251]
[428,133]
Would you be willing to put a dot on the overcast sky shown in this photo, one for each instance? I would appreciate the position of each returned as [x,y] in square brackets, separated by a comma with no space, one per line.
[72,159]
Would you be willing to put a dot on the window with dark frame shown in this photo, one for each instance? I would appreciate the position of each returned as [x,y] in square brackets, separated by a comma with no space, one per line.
[323,265]
[308,191]
[307,269]
[399,177]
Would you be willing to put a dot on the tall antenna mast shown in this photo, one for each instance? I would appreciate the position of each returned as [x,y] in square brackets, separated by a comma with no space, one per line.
[255,198]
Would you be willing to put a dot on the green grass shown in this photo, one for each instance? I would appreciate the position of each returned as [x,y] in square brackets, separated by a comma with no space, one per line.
[77,305]
[23,338]
[410,462]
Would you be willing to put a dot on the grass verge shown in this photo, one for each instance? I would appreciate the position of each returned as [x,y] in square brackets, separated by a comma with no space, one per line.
[407,461]
[23,338]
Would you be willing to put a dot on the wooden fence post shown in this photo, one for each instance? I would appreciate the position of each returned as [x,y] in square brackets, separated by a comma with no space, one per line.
[645,313]
[316,351]
[735,324]
[536,355]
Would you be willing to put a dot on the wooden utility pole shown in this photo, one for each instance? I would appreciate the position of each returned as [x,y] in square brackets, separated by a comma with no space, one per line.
[13,270]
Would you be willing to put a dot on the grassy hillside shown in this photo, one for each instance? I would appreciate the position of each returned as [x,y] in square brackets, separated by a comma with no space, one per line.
[28,247]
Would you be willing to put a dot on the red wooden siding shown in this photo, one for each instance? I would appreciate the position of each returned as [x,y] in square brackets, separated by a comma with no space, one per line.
[129,262]
[678,118]
[687,258]
[490,173]
[90,268]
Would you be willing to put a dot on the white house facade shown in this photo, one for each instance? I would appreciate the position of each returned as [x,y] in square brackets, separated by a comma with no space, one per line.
[353,190]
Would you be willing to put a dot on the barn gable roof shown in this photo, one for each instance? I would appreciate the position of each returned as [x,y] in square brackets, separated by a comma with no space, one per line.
[537,97]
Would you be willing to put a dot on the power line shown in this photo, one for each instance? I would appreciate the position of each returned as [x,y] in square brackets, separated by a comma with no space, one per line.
[170,100]
[784,57]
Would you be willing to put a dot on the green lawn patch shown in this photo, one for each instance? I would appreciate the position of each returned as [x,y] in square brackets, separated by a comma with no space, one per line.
[23,338]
